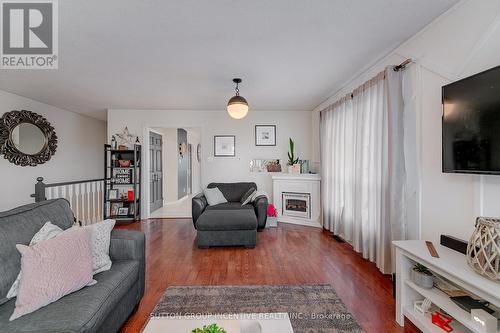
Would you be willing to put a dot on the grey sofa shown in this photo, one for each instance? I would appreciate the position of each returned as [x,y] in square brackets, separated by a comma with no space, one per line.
[103,307]
[229,224]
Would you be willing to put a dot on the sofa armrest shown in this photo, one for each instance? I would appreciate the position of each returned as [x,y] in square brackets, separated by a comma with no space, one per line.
[199,203]
[260,205]
[130,245]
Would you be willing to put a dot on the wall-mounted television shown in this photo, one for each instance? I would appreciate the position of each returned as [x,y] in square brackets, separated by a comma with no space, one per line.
[471,124]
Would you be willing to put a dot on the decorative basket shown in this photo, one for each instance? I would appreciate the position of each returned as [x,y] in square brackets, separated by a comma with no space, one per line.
[273,167]
[124,163]
[483,251]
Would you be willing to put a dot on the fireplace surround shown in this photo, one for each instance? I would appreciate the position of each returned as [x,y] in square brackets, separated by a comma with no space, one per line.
[297,198]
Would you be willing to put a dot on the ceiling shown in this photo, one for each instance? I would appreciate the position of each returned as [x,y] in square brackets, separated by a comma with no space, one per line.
[183,54]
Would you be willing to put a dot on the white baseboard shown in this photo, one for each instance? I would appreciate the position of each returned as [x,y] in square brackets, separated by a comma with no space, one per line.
[291,220]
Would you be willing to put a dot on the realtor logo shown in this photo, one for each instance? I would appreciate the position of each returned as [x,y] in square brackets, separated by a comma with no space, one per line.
[29,38]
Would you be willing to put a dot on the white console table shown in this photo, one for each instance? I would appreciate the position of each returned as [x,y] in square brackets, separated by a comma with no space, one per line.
[451,265]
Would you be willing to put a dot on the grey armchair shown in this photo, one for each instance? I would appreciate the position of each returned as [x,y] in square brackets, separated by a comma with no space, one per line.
[231,223]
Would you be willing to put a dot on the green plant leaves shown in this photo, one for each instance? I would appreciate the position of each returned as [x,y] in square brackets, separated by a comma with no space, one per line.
[291,155]
[213,328]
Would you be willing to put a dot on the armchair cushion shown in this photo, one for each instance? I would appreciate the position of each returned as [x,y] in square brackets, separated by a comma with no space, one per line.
[217,220]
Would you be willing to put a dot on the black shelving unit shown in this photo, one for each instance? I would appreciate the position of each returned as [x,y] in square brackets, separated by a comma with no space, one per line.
[123,179]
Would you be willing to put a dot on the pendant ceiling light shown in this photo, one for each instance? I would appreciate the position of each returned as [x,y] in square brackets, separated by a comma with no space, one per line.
[237,107]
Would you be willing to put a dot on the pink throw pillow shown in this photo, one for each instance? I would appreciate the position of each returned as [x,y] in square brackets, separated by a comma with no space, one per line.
[52,269]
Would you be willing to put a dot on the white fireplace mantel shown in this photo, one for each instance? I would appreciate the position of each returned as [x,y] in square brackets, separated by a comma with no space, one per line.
[284,183]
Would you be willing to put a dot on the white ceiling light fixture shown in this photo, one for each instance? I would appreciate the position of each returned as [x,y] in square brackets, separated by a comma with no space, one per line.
[237,107]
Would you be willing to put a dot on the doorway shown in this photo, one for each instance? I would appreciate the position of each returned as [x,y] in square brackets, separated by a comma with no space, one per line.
[181,172]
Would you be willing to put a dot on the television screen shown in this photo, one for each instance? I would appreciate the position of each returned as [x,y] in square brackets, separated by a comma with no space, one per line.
[471,124]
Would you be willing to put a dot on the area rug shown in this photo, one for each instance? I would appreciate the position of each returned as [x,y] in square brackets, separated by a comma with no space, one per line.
[312,308]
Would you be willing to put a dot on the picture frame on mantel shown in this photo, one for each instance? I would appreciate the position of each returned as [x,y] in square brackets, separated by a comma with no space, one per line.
[265,135]
[224,146]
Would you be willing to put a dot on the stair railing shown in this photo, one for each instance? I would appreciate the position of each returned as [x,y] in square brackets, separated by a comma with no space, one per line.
[85,197]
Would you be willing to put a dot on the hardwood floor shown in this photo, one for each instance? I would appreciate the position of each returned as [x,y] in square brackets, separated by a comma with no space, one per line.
[288,254]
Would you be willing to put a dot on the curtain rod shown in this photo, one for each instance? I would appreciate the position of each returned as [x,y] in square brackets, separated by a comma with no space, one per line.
[403,65]
[397,68]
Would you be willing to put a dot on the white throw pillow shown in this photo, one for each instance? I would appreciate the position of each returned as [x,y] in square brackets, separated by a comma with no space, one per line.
[214,196]
[48,231]
[99,244]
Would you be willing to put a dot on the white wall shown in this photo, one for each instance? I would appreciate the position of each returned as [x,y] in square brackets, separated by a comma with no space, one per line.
[79,152]
[463,41]
[295,124]
[194,138]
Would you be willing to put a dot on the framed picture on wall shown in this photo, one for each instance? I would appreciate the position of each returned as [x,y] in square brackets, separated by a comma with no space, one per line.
[224,146]
[265,135]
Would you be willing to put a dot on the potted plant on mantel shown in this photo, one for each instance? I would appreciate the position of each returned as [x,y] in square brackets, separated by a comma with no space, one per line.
[293,166]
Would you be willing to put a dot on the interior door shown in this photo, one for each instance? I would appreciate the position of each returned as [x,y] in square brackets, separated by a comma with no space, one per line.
[155,171]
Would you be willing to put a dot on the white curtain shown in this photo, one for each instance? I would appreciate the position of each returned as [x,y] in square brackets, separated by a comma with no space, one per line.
[363,168]
[411,89]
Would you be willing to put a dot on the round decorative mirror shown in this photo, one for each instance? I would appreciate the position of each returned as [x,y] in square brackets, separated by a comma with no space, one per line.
[26,138]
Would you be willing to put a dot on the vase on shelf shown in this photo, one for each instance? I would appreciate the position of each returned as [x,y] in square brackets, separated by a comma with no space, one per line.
[422,279]
[483,250]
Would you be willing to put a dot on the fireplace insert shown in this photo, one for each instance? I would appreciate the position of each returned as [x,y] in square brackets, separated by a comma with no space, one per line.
[297,205]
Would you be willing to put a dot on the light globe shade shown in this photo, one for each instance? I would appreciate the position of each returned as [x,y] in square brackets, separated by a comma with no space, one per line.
[237,107]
